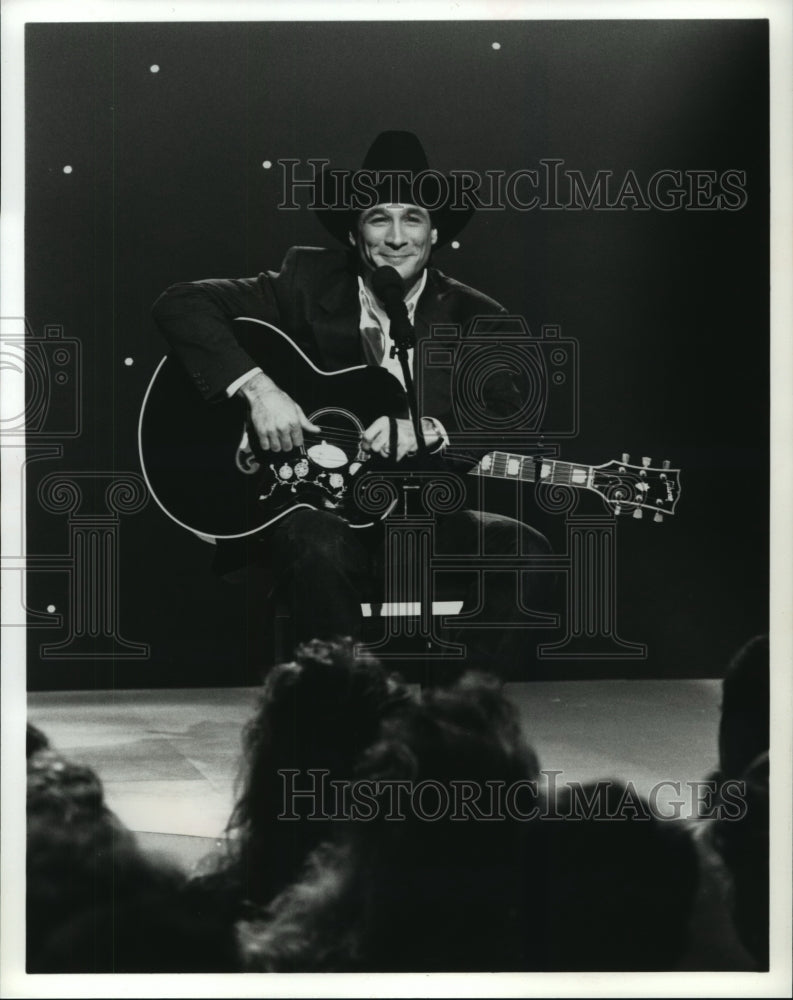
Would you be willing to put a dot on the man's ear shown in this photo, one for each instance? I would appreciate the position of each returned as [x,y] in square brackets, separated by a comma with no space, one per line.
[351,238]
[433,236]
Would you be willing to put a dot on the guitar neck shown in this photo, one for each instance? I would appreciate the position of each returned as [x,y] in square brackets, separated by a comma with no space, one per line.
[504,465]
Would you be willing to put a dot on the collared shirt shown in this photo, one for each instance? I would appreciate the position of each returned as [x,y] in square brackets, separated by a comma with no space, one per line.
[375,328]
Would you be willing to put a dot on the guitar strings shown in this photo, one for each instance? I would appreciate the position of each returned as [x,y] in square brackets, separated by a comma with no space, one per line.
[332,435]
[562,472]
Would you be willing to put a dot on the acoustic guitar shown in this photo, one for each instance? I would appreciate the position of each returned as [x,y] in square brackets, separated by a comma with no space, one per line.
[205,469]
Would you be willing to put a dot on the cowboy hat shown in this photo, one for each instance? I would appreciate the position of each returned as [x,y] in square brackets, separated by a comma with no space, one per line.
[394,170]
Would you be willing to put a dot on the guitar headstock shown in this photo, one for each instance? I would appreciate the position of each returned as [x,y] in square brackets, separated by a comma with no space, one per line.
[637,488]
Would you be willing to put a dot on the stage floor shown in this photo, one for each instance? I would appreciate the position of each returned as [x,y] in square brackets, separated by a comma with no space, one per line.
[169,758]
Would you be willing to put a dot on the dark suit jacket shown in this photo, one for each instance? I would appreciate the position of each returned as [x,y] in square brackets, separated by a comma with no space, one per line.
[314,299]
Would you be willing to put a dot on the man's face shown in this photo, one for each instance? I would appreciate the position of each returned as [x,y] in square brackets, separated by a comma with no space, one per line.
[400,236]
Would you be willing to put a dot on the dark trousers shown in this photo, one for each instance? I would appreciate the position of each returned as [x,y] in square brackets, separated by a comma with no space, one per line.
[323,569]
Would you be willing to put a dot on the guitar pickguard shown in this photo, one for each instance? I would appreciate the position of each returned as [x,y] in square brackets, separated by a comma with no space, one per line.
[319,472]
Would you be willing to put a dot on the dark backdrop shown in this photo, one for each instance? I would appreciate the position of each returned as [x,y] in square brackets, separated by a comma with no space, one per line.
[670,309]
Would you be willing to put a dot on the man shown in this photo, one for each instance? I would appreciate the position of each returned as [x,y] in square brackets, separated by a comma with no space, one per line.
[324,300]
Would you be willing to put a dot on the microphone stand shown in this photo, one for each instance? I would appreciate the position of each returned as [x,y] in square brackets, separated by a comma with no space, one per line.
[404,337]
[388,286]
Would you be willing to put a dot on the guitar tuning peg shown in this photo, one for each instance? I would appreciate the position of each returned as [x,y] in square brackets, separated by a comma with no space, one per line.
[658,517]
[638,514]
[665,463]
[645,461]
[625,458]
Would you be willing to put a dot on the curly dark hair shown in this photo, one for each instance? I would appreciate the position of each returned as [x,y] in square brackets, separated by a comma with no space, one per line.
[318,712]
[412,895]
[95,902]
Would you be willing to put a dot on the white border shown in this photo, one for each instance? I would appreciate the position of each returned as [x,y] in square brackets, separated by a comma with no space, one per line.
[14,983]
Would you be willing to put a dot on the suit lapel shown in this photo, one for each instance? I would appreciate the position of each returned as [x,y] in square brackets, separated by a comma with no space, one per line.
[432,307]
[433,388]
[336,322]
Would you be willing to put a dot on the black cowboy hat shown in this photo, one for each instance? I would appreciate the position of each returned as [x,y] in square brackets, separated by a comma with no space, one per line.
[394,170]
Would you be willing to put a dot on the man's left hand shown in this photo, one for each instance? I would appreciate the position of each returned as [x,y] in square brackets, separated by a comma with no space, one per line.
[376,438]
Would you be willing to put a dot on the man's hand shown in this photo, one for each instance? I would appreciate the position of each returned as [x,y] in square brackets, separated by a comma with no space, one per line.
[277,419]
[376,438]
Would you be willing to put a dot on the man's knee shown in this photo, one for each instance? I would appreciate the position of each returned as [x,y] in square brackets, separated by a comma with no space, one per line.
[533,542]
[496,534]
[317,537]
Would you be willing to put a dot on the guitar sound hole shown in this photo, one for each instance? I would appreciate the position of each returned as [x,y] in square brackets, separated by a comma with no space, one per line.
[339,442]
[327,456]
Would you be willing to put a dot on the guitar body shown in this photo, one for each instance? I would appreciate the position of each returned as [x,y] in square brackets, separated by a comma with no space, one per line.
[209,475]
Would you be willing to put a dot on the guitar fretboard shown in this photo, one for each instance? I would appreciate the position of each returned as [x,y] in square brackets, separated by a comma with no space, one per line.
[504,465]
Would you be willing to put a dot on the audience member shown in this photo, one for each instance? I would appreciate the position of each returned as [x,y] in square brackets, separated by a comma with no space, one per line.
[95,903]
[36,740]
[743,841]
[614,887]
[610,892]
[389,879]
[316,713]
[410,893]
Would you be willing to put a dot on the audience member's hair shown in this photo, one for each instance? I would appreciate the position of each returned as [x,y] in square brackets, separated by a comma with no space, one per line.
[72,841]
[743,756]
[95,903]
[613,889]
[745,708]
[36,740]
[316,713]
[604,886]
[412,894]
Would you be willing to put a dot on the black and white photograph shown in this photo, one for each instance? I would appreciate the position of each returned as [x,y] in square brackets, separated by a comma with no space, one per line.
[396,443]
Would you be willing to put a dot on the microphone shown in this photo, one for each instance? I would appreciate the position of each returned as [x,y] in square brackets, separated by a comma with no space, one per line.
[388,286]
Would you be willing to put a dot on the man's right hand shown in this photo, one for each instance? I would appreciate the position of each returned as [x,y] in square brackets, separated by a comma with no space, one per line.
[277,419]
